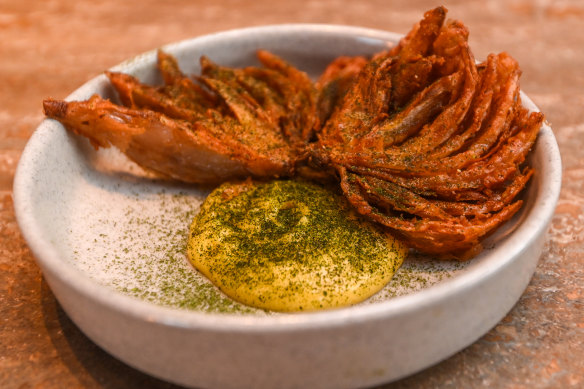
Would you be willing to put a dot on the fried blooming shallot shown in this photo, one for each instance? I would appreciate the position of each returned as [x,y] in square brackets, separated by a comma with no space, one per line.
[424,141]
[439,167]
[226,124]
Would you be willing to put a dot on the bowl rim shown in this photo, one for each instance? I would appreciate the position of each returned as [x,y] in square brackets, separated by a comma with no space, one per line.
[534,225]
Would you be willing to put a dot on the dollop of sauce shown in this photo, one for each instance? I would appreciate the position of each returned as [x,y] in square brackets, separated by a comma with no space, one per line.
[290,246]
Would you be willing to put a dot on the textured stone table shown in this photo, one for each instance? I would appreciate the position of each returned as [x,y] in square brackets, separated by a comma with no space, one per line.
[48,48]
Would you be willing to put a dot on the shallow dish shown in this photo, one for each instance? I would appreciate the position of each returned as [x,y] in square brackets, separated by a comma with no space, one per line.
[108,240]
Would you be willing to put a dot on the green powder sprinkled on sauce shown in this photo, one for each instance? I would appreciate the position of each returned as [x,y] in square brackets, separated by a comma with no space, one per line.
[290,245]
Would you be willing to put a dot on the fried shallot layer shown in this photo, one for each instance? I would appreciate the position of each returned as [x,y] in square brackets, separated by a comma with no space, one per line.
[422,140]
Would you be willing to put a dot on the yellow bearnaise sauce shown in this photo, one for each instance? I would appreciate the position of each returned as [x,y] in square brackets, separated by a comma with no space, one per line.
[290,246]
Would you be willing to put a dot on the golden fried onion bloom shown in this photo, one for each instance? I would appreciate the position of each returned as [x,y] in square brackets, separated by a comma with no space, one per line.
[423,141]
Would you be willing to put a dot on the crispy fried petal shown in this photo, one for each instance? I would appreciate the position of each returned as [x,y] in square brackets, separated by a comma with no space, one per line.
[175,148]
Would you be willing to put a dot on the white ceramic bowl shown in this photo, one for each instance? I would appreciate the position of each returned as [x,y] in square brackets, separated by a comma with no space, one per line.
[59,176]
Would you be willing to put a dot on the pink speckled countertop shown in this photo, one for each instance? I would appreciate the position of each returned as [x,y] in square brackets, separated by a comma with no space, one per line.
[49,48]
